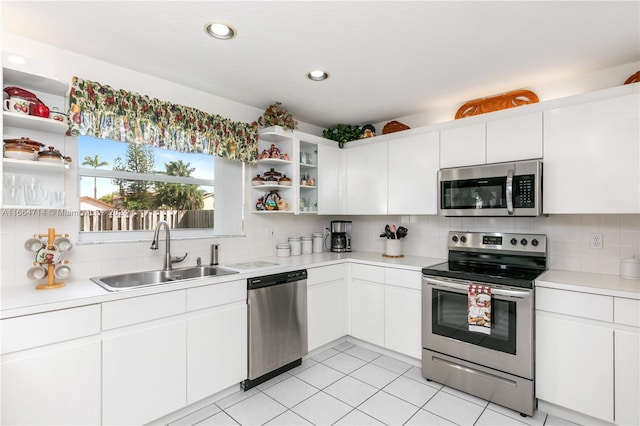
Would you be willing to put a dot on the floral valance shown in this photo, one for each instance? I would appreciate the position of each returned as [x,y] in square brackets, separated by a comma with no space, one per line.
[100,111]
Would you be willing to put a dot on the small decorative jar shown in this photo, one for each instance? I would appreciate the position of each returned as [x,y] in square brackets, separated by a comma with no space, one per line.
[307,244]
[317,242]
[296,246]
[283,250]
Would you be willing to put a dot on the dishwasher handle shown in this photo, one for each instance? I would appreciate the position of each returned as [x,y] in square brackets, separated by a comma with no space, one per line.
[275,279]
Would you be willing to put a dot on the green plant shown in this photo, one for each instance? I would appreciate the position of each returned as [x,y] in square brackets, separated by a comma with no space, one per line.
[275,115]
[343,133]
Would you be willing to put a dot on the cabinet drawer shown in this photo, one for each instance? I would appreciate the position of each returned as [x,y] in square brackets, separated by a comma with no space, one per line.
[626,311]
[326,274]
[367,273]
[403,278]
[51,327]
[585,305]
[140,309]
[216,294]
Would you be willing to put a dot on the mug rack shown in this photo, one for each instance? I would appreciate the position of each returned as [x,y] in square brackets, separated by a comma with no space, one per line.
[49,257]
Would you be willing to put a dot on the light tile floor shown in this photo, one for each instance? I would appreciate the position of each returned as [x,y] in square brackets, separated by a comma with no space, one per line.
[351,385]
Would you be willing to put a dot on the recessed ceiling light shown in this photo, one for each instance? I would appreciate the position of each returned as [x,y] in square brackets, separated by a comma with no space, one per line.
[220,30]
[317,75]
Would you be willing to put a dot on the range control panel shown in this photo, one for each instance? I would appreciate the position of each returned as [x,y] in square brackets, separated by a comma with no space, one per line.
[497,241]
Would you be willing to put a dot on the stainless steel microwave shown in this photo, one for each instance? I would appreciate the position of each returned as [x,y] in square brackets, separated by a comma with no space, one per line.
[504,189]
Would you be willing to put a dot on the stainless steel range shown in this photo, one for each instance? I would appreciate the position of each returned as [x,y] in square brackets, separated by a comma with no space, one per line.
[478,316]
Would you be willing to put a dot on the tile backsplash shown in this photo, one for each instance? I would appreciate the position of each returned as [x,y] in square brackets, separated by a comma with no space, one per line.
[568,236]
[568,239]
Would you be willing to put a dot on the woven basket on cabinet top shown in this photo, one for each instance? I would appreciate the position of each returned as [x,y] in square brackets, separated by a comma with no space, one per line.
[394,126]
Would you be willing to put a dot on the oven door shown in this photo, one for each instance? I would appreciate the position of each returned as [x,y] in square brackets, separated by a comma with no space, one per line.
[445,329]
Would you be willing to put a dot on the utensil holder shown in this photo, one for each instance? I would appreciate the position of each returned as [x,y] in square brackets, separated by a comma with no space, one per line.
[392,248]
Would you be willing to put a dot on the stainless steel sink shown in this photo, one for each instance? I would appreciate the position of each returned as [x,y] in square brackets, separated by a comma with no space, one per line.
[149,278]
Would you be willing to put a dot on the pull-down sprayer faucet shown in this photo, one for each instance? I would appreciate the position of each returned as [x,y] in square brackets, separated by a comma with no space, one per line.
[168,260]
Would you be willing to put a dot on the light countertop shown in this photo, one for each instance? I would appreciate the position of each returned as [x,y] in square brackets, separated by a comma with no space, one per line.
[20,300]
[586,282]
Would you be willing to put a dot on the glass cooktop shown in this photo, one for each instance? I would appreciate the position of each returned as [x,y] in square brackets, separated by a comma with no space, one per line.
[485,273]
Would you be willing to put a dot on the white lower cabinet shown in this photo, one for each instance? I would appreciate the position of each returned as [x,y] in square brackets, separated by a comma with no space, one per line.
[51,368]
[165,351]
[216,350]
[367,303]
[144,370]
[326,304]
[403,312]
[574,365]
[587,352]
[386,308]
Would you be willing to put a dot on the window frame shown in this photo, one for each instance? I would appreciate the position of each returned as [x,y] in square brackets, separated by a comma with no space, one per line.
[142,235]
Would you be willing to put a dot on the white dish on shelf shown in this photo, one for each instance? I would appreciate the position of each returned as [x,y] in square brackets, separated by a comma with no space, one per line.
[21,155]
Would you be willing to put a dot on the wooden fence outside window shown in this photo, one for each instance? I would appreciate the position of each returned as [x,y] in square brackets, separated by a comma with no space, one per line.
[135,220]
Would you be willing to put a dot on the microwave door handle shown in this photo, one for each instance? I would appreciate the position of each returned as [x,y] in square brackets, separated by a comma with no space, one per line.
[462,288]
[509,191]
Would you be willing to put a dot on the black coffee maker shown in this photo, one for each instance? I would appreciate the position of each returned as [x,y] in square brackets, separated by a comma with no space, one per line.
[340,236]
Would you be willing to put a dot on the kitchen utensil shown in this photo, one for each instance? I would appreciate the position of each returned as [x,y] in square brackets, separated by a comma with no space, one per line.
[50,254]
[56,115]
[36,272]
[39,110]
[393,231]
[62,272]
[23,143]
[63,243]
[56,199]
[52,154]
[32,191]
[12,185]
[17,105]
[33,244]
[402,232]
[387,231]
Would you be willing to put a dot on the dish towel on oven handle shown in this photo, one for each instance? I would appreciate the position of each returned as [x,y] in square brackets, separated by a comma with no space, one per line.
[479,317]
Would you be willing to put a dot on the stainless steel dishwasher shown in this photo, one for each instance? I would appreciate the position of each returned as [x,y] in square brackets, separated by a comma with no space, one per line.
[277,309]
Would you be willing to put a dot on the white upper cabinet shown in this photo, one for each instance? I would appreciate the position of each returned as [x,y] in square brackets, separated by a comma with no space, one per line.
[367,178]
[514,138]
[463,146]
[592,157]
[413,171]
[331,189]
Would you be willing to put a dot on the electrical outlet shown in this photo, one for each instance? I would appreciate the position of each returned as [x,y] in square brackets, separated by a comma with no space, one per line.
[596,240]
[269,233]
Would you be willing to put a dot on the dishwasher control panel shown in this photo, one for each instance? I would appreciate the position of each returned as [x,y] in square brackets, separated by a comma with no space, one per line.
[275,279]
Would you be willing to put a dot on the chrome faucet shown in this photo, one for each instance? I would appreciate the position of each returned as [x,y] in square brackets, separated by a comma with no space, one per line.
[168,260]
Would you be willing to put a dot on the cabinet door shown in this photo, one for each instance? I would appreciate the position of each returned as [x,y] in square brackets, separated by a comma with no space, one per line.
[627,379]
[574,365]
[216,351]
[144,372]
[592,157]
[367,311]
[463,146]
[514,138]
[403,320]
[326,313]
[367,179]
[413,174]
[331,189]
[58,384]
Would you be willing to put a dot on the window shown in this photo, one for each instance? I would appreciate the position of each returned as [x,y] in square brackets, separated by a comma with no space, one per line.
[127,187]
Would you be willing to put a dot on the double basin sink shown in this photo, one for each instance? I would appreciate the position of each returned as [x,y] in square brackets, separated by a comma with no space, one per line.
[150,278]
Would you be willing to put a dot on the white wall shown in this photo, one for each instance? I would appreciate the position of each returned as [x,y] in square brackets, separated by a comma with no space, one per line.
[568,235]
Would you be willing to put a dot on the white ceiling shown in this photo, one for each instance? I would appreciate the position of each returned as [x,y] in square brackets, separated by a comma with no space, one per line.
[387,59]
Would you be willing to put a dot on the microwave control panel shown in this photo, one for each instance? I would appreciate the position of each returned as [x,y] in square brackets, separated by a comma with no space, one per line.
[524,191]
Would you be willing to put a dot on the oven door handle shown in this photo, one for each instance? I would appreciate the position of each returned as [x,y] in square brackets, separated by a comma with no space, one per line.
[518,294]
